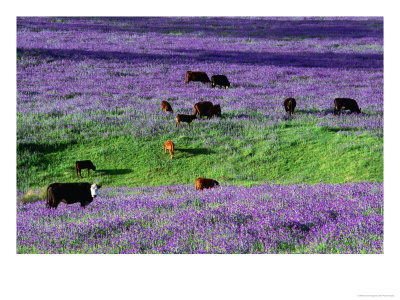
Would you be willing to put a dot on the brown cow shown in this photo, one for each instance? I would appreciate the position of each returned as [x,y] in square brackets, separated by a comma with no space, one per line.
[346,103]
[169,145]
[289,104]
[215,111]
[202,108]
[184,118]
[84,164]
[165,106]
[205,183]
[70,193]
[196,76]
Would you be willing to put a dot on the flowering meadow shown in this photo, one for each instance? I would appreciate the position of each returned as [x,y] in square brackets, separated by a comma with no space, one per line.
[91,88]
[179,219]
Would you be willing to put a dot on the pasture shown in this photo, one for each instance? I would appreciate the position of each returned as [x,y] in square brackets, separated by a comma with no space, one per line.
[91,88]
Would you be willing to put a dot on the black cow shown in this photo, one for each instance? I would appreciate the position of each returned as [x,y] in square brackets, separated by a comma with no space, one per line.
[196,76]
[202,108]
[184,118]
[83,164]
[347,104]
[215,110]
[70,193]
[221,80]
[289,104]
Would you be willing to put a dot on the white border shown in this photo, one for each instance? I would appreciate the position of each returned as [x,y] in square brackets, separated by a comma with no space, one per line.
[199,276]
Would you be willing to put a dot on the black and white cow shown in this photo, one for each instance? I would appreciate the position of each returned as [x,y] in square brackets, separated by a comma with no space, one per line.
[69,193]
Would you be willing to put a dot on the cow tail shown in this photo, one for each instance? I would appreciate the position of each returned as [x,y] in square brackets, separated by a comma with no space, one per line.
[47,198]
[187,77]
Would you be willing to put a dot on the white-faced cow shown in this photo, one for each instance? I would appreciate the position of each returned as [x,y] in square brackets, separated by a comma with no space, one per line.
[69,193]
[196,76]
[346,104]
[83,164]
[220,80]
[205,183]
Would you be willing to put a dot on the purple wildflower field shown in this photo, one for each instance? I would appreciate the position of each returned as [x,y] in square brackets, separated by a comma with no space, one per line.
[178,219]
[84,78]
[78,70]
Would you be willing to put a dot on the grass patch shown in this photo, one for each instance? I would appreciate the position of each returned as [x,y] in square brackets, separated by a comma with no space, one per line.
[32,196]
[290,153]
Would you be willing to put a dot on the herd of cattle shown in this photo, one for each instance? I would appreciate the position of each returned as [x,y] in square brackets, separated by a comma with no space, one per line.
[84,192]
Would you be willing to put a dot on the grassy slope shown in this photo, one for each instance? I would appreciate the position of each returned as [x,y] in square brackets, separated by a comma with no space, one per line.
[290,153]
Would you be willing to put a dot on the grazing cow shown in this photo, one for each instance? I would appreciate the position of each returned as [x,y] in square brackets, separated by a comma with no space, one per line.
[84,164]
[70,193]
[205,183]
[196,76]
[202,108]
[346,103]
[215,111]
[184,118]
[221,80]
[169,145]
[290,104]
[165,106]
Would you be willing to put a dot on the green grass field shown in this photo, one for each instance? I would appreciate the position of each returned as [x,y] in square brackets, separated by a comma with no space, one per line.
[290,152]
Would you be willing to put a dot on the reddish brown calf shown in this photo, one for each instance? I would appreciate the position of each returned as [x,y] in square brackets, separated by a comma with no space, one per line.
[165,106]
[205,183]
[169,145]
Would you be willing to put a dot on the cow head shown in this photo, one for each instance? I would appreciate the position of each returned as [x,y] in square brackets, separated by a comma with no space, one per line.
[93,189]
